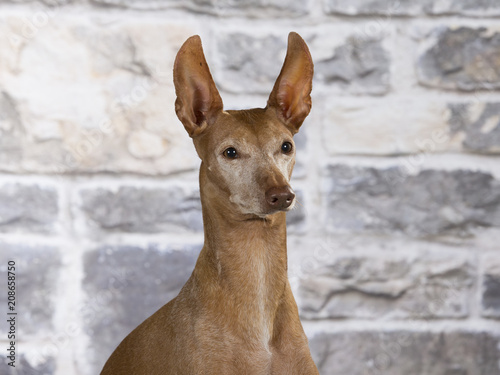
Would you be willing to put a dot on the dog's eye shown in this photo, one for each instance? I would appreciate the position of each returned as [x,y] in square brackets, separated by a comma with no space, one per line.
[286,147]
[230,153]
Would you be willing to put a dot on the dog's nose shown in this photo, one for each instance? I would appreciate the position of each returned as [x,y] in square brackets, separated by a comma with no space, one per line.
[280,198]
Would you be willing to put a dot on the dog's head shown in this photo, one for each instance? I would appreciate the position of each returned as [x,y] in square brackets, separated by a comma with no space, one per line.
[247,155]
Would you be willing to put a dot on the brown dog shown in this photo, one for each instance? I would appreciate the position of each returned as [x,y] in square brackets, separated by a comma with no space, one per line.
[236,314]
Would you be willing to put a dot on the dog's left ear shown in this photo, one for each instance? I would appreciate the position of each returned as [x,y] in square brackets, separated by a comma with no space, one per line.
[291,95]
[198,101]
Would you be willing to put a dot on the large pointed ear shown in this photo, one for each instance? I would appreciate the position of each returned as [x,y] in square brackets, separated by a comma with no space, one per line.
[198,102]
[291,95]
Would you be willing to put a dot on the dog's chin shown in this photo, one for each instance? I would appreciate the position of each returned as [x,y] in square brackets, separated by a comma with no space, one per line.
[264,213]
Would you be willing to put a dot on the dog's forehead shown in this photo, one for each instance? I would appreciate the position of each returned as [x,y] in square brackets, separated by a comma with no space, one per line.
[252,124]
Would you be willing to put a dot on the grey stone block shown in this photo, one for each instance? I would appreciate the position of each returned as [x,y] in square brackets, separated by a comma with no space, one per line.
[406,352]
[23,367]
[429,203]
[52,3]
[126,122]
[461,59]
[388,9]
[148,210]
[127,284]
[251,64]
[360,65]
[10,131]
[28,207]
[137,4]
[478,124]
[490,301]
[37,275]
[295,219]
[376,7]
[389,286]
[248,64]
[491,295]
[484,8]
[254,8]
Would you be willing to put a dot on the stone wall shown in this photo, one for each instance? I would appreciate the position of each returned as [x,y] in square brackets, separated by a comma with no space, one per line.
[394,251]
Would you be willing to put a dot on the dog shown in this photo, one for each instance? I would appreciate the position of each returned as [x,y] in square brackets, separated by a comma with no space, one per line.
[236,314]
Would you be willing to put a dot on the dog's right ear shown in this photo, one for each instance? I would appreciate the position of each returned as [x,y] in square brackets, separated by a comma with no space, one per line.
[291,95]
[198,102]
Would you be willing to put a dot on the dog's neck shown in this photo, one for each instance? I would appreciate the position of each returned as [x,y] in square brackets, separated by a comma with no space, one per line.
[247,260]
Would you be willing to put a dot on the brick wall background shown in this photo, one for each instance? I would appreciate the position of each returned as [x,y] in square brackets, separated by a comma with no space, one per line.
[394,251]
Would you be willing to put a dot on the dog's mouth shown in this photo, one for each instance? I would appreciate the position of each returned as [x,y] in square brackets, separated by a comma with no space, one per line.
[270,210]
